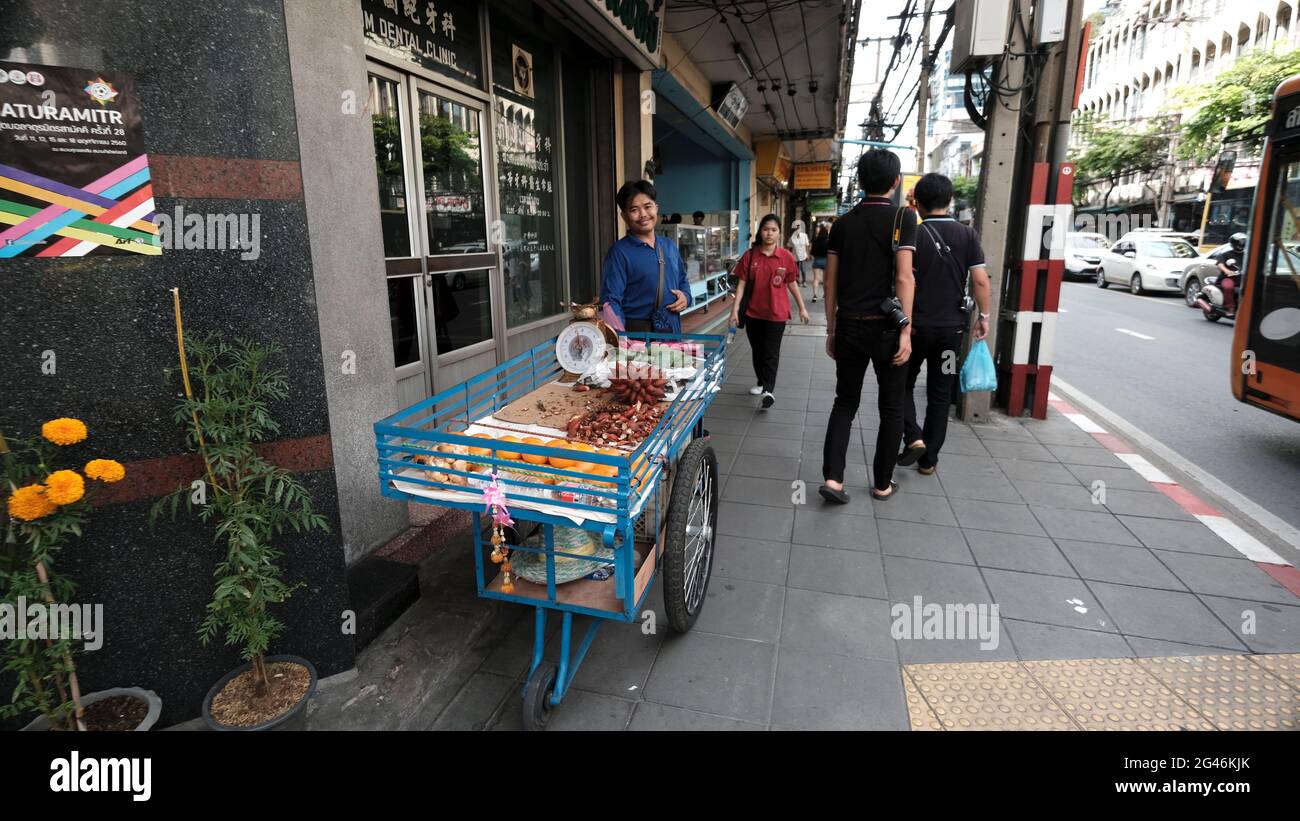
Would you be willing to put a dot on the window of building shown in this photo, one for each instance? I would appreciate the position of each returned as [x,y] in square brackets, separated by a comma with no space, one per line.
[390,165]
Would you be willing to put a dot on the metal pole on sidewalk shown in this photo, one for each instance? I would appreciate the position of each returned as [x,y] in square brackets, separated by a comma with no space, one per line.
[923,92]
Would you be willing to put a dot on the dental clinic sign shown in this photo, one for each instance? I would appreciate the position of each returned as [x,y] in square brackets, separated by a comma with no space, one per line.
[636,25]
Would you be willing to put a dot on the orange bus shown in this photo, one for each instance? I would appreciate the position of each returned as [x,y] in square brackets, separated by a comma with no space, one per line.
[1266,339]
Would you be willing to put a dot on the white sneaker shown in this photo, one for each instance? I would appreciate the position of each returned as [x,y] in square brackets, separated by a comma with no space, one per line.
[768,399]
[756,390]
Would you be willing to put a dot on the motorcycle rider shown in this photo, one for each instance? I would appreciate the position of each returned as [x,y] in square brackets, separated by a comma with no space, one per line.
[1229,273]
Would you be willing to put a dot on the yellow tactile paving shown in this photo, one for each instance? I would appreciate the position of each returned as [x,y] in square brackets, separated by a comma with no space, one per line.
[1243,692]
[987,696]
[1115,694]
[1232,692]
[920,716]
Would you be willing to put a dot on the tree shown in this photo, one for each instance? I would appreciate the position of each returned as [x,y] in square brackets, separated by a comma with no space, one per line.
[1109,152]
[966,190]
[1235,106]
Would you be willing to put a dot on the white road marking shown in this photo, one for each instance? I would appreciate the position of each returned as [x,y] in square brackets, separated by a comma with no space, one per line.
[1063,310]
[1134,333]
[1246,544]
[1053,397]
[1084,423]
[1145,469]
[1232,498]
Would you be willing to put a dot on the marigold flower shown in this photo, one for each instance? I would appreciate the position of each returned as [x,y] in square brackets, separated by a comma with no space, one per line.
[28,503]
[105,470]
[64,431]
[63,487]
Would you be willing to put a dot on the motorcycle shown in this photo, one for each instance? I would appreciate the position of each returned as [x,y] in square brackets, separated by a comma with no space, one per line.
[1210,298]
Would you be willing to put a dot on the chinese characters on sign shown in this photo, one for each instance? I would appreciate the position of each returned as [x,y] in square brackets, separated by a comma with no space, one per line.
[74,178]
[440,35]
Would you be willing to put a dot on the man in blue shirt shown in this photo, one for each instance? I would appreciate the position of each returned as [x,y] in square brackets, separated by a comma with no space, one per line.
[629,276]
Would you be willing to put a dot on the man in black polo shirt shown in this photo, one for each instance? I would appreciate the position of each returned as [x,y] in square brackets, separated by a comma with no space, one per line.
[949,264]
[869,259]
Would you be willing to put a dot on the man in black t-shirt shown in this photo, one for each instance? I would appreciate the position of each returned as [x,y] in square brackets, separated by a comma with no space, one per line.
[868,260]
[949,265]
[1230,274]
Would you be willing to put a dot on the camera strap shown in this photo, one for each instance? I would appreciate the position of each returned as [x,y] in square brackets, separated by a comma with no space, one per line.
[659,294]
[945,253]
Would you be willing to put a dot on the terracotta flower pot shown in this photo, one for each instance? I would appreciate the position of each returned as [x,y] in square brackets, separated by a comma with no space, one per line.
[149,697]
[292,719]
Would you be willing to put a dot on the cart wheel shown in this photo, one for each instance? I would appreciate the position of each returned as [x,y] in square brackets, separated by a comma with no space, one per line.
[537,696]
[688,537]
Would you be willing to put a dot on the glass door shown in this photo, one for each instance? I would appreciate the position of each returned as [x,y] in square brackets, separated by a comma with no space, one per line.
[454,210]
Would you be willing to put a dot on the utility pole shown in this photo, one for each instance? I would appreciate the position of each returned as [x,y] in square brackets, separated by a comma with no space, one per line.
[1171,172]
[923,92]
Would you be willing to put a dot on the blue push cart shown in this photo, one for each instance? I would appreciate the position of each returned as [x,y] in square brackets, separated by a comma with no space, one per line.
[656,512]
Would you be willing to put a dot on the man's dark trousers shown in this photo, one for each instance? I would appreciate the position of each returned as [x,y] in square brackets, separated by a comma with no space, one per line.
[765,341]
[858,342]
[932,345]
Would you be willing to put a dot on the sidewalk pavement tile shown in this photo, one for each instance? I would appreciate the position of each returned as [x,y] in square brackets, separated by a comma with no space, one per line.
[968,465]
[1073,496]
[1035,642]
[752,560]
[921,541]
[763,446]
[815,434]
[846,572]
[1047,600]
[814,527]
[742,400]
[947,651]
[756,491]
[1085,525]
[1029,451]
[1220,687]
[1163,614]
[619,662]
[784,417]
[1120,478]
[650,716]
[910,481]
[932,510]
[1083,455]
[920,716]
[1186,537]
[585,711]
[743,610]
[934,582]
[1065,433]
[720,416]
[996,516]
[1003,430]
[963,701]
[814,449]
[1236,578]
[714,674]
[768,467]
[855,474]
[822,691]
[1024,470]
[1276,626]
[511,656]
[1120,564]
[1150,504]
[962,446]
[859,505]
[1031,554]
[1101,693]
[755,521]
[988,487]
[1285,667]
[476,703]
[773,430]
[845,625]
[1158,648]
[720,440]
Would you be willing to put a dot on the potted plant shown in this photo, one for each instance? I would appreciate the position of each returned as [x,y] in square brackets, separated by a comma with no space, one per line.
[39,626]
[248,501]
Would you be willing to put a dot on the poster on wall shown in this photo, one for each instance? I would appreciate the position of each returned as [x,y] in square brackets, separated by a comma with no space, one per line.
[74,176]
[523,74]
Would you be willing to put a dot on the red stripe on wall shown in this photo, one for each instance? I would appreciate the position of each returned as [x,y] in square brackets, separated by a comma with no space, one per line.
[224,178]
[151,478]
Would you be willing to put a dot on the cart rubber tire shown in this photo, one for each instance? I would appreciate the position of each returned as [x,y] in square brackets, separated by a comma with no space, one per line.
[697,469]
[537,694]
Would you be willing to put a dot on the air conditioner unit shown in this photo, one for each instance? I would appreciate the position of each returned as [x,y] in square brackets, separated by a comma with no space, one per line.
[979,32]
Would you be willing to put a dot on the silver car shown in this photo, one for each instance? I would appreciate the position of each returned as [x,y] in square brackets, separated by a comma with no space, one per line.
[1083,254]
[1145,264]
[1194,274]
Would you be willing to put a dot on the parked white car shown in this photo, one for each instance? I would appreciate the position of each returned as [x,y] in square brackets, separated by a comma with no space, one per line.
[1083,254]
[1145,264]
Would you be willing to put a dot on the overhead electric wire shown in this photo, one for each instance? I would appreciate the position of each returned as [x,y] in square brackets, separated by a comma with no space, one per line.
[771,23]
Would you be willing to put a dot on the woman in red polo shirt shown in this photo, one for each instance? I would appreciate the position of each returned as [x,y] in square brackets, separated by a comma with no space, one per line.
[770,274]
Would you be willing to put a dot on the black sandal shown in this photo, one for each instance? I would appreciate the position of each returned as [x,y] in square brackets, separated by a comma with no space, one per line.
[910,454]
[893,491]
[832,495]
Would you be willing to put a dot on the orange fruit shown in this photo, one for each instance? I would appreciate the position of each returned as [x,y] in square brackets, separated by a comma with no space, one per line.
[473,451]
[533,458]
[509,455]
[558,461]
[582,446]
